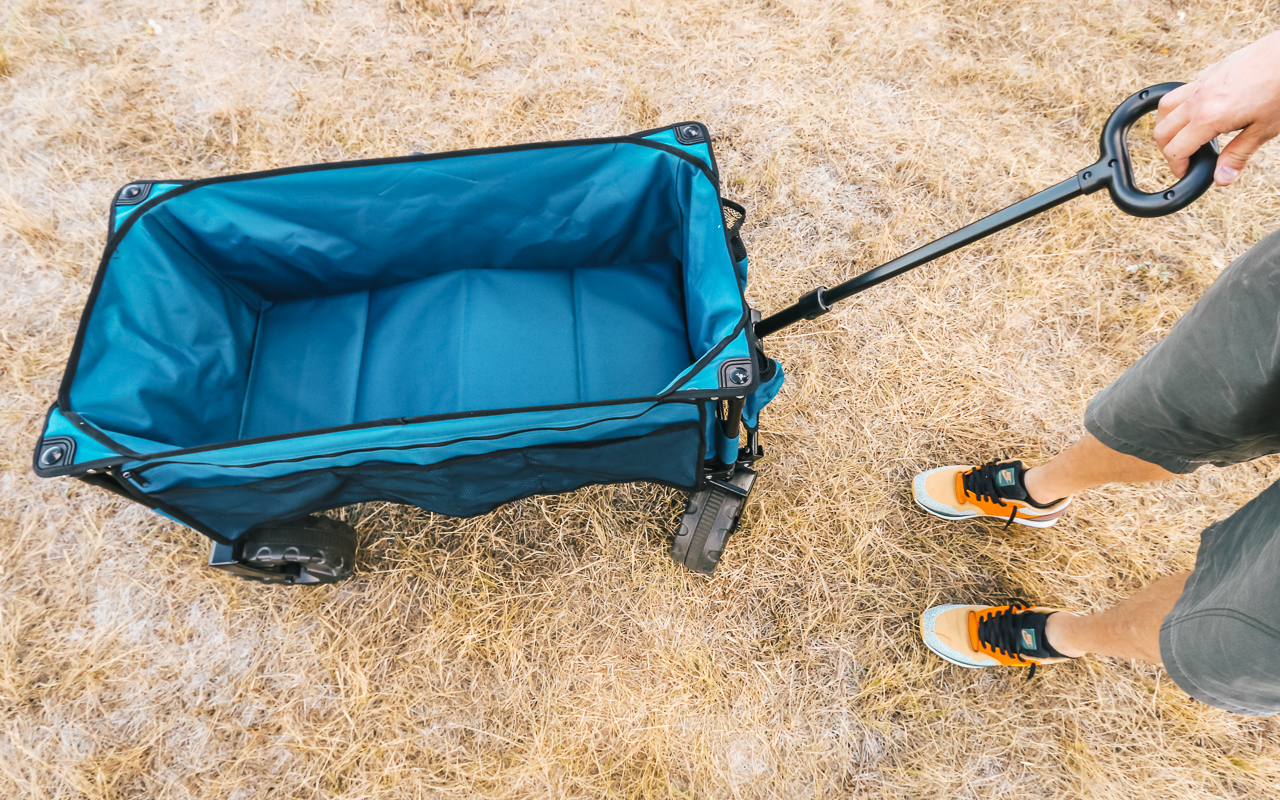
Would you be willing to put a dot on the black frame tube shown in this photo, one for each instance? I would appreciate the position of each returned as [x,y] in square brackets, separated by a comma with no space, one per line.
[732,422]
[820,300]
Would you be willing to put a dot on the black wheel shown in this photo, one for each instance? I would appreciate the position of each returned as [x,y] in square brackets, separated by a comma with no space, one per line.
[307,550]
[710,518]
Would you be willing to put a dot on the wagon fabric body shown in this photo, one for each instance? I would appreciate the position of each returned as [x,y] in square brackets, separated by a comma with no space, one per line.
[451,331]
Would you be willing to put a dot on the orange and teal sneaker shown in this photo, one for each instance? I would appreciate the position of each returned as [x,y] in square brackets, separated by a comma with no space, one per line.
[995,489]
[990,636]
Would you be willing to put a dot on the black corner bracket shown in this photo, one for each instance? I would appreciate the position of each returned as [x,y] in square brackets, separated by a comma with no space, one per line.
[132,194]
[690,133]
[735,373]
[56,451]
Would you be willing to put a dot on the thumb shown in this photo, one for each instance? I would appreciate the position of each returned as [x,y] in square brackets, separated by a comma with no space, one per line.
[1236,155]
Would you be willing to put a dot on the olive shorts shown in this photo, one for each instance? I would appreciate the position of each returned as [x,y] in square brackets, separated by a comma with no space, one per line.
[1210,394]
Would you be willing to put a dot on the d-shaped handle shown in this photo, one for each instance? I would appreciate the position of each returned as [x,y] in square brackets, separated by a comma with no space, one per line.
[1114,169]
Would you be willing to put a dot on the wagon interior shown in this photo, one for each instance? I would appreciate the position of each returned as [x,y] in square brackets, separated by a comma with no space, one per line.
[293,302]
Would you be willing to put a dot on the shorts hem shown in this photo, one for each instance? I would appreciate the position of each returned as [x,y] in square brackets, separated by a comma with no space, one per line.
[1175,464]
[1187,684]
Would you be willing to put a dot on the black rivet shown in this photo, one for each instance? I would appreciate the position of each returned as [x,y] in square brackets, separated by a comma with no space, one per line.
[131,192]
[739,376]
[1111,163]
[691,131]
[1142,95]
[1088,175]
[1169,195]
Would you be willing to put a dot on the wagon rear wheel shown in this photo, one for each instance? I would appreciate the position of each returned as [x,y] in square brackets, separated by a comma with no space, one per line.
[710,518]
[310,550]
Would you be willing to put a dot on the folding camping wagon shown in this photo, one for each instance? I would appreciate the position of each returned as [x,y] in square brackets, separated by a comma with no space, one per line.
[451,331]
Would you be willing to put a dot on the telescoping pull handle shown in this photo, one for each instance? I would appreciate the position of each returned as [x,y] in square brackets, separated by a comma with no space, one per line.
[1113,170]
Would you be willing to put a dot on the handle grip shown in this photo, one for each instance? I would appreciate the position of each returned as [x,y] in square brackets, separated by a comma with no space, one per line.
[1114,169]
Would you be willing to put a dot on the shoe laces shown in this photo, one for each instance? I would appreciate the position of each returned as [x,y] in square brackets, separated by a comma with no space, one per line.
[998,630]
[981,483]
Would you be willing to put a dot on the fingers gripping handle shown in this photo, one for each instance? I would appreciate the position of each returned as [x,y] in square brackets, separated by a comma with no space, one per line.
[1114,169]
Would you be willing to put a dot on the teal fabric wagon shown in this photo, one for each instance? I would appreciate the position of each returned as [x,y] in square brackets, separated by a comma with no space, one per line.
[451,331]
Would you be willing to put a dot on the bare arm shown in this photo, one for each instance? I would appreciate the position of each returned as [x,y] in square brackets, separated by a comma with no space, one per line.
[1239,93]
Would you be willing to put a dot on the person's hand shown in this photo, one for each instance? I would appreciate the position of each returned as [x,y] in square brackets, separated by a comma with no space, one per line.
[1239,93]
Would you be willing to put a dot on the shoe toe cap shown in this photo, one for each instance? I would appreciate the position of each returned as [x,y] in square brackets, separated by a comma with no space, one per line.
[945,631]
[939,500]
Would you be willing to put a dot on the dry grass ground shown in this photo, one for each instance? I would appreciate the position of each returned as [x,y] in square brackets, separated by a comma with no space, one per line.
[550,649]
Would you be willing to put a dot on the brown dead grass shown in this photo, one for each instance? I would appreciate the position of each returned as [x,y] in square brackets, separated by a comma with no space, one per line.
[550,649]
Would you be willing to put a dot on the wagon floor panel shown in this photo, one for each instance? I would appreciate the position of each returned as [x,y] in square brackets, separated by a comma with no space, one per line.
[465,340]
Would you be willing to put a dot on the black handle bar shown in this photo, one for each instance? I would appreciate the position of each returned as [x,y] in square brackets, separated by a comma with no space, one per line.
[1113,170]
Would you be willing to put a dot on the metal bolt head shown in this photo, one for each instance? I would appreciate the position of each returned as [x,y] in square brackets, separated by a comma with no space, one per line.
[52,455]
[739,376]
[691,131]
[131,192]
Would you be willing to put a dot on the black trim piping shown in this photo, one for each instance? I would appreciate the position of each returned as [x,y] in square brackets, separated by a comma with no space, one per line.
[93,433]
[136,471]
[706,139]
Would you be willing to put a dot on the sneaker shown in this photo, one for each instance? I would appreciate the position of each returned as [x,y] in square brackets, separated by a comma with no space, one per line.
[994,489]
[990,636]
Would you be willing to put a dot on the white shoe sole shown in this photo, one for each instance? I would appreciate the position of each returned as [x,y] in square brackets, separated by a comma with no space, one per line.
[1030,523]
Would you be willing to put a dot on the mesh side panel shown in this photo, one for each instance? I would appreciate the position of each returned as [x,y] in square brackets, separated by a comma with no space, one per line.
[733,216]
[461,487]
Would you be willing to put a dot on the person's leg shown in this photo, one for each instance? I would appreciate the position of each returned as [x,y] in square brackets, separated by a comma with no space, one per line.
[1207,394]
[1085,464]
[1214,629]
[1130,629]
